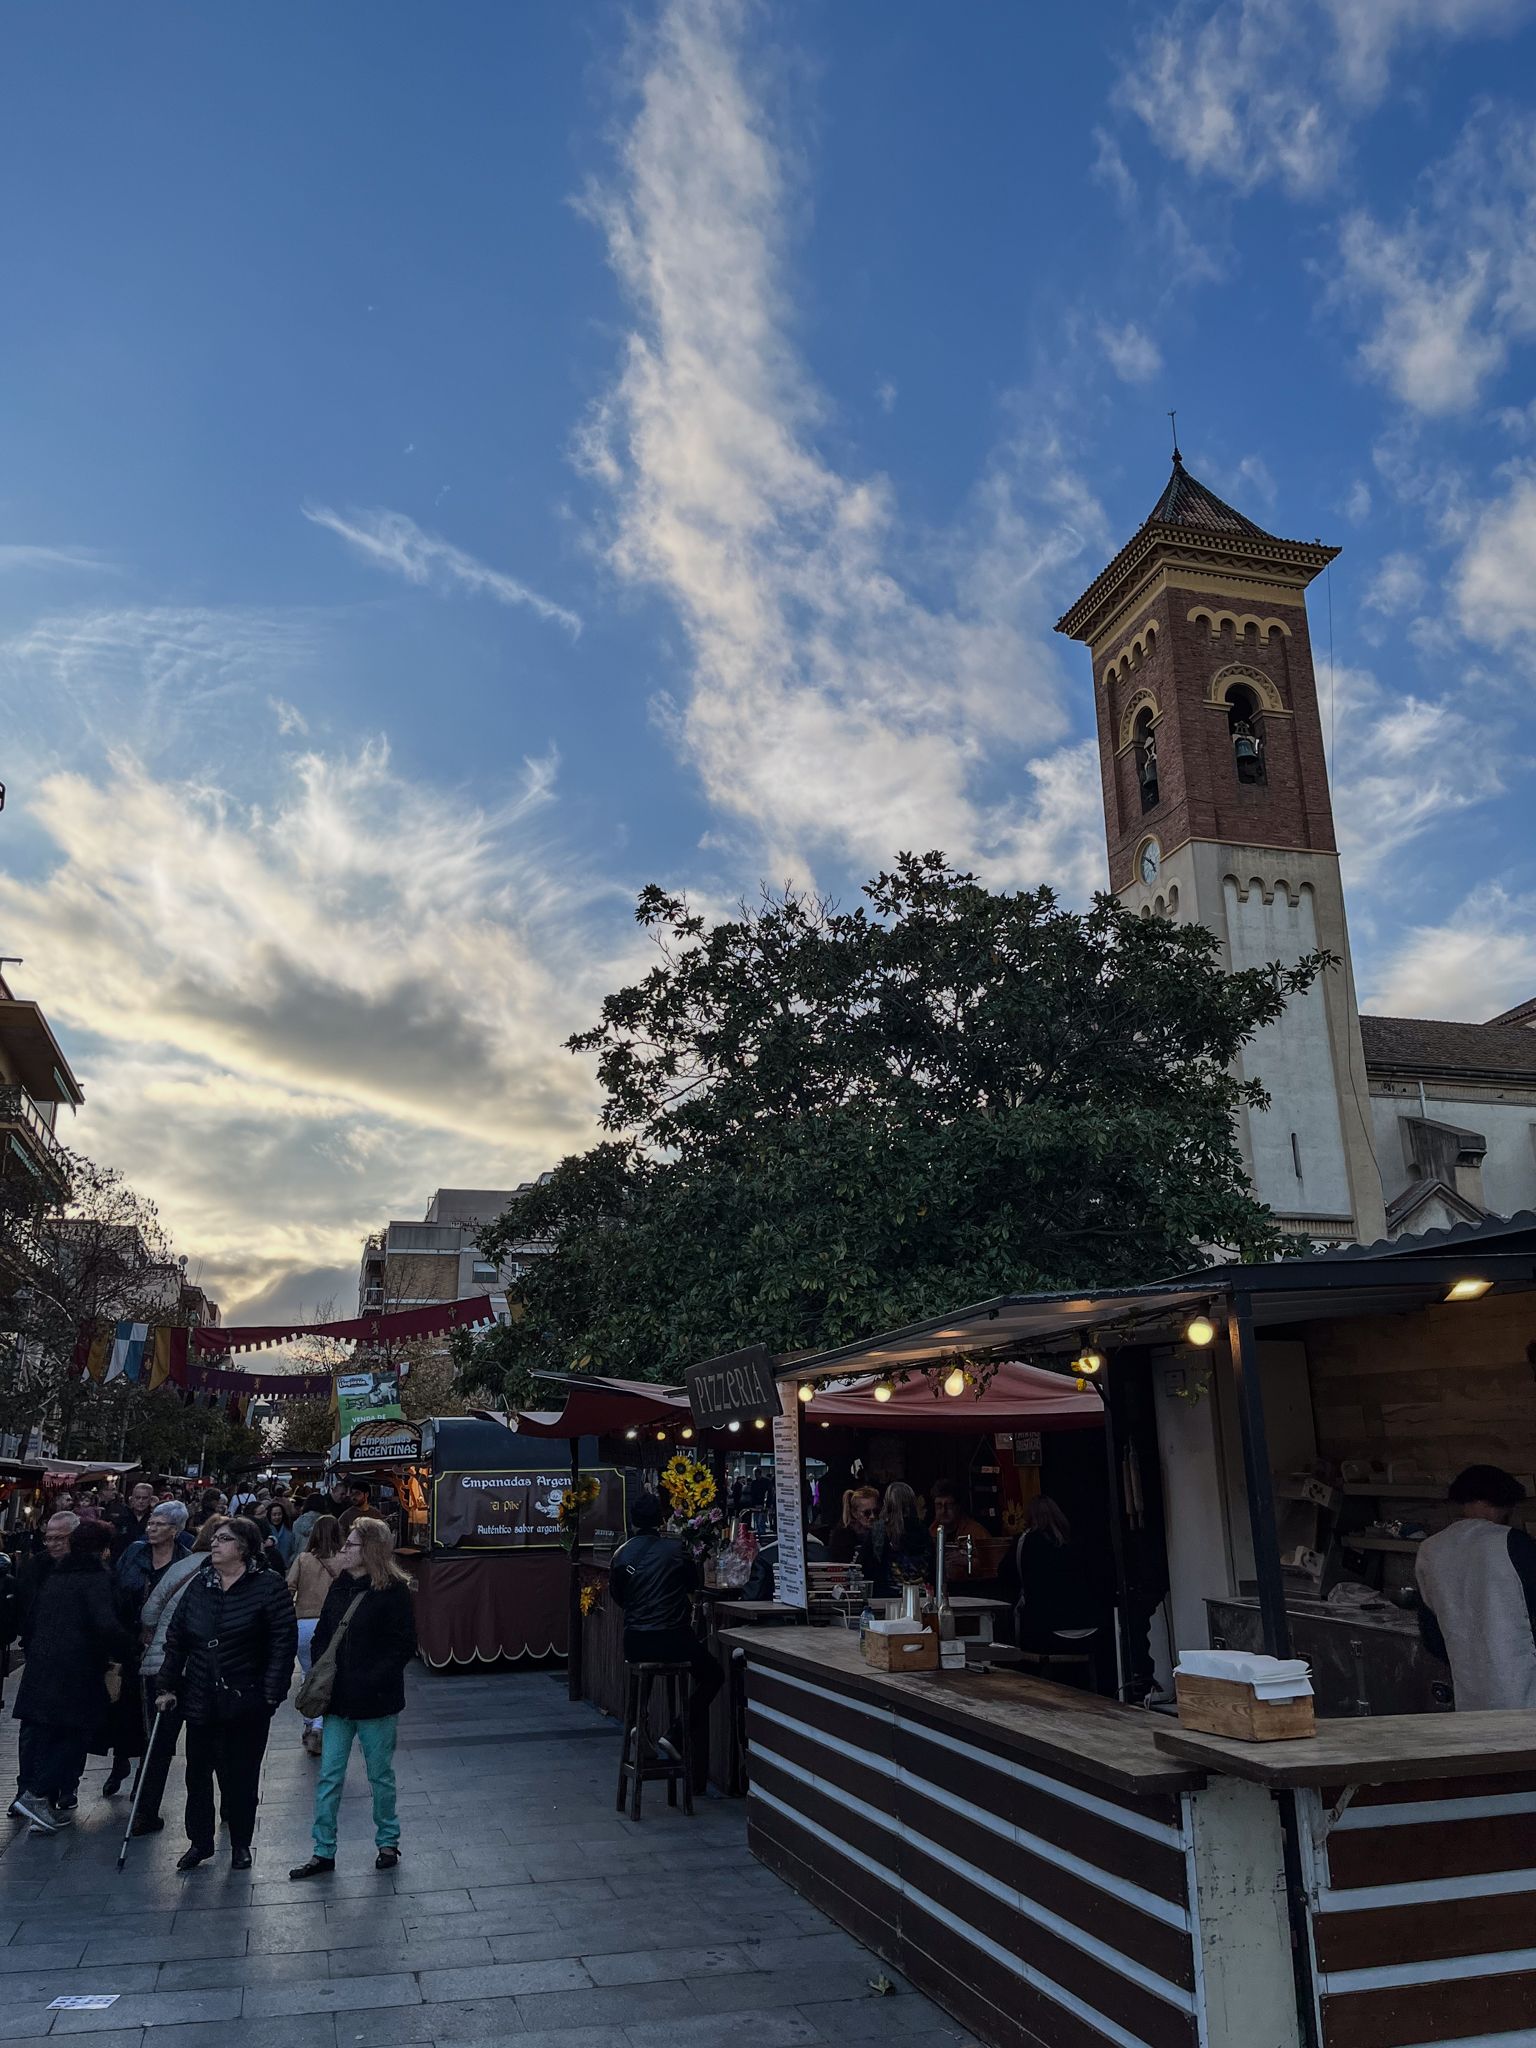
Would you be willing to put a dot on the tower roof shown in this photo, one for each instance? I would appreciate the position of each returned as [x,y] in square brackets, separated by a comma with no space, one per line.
[1188,502]
[1189,516]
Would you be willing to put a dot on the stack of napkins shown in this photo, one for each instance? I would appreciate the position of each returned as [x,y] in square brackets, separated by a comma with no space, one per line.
[1272,1678]
[899,1627]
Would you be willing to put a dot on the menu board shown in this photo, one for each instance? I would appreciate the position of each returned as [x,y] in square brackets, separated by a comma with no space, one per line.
[789,1572]
[517,1510]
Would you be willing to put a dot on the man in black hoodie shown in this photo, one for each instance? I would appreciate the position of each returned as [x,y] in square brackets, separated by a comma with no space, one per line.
[654,1579]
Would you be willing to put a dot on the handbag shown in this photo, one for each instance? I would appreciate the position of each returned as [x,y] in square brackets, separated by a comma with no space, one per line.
[313,1697]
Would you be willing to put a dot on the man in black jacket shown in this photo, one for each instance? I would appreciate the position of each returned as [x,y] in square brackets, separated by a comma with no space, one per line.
[72,1632]
[229,1662]
[654,1580]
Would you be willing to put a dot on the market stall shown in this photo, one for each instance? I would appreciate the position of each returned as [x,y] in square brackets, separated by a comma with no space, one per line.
[483,1501]
[994,1837]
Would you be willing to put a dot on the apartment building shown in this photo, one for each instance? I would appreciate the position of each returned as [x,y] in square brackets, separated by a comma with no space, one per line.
[410,1264]
[36,1080]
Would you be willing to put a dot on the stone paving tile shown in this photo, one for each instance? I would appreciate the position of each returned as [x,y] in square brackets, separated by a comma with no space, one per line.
[524,1910]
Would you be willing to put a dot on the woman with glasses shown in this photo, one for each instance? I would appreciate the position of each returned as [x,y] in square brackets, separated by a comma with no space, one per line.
[367,1613]
[228,1665]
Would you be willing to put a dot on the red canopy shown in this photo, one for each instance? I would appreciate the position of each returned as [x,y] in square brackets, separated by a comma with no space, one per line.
[1017,1397]
[605,1407]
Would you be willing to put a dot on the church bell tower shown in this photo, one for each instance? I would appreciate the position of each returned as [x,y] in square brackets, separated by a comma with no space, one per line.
[1217,812]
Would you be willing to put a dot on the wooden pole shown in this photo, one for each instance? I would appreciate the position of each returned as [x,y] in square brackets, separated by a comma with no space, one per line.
[1273,1618]
[573,1622]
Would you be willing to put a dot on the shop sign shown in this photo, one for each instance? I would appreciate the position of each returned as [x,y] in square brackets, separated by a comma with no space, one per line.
[365,1396]
[518,1510]
[735,1388]
[384,1443]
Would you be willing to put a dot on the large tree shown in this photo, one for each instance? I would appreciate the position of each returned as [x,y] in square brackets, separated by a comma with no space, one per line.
[824,1122]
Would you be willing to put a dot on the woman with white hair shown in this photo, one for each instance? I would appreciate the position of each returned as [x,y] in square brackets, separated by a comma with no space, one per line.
[139,1570]
[149,1575]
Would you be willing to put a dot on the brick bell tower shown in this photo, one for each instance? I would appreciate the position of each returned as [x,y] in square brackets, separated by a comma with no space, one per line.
[1217,812]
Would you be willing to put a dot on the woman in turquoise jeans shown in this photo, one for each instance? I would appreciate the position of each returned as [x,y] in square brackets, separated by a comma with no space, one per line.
[369,1609]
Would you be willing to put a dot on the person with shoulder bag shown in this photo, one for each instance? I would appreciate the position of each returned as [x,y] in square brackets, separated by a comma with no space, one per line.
[365,1637]
[228,1665]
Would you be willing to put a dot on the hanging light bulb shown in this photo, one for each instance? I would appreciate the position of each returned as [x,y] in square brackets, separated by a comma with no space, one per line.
[630,1435]
[807,1391]
[758,1422]
[1089,1361]
[884,1391]
[954,1382]
[661,1436]
[686,1432]
[1199,1330]
[733,1427]
[826,1425]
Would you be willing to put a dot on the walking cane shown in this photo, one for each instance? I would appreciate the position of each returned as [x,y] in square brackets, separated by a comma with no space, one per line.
[138,1791]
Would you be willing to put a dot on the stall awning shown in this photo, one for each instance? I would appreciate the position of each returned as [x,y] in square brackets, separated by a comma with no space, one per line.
[604,1407]
[1017,1397]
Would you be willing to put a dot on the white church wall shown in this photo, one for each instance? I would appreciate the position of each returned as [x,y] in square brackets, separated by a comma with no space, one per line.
[1293,1058]
[1506,1120]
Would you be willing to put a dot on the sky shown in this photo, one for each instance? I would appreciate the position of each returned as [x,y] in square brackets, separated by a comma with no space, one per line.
[458,465]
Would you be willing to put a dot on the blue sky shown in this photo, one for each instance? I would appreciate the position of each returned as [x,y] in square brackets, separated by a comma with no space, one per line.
[458,465]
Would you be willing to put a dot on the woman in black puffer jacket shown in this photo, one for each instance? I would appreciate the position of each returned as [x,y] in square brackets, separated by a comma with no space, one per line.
[367,1613]
[229,1661]
[73,1631]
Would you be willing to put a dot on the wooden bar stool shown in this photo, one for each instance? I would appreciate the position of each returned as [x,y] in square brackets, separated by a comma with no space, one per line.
[673,1680]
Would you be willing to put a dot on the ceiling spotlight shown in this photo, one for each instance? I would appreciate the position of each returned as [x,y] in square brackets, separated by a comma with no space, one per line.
[758,1422]
[1199,1330]
[733,1427]
[1468,1290]
[954,1383]
[661,1436]
[630,1435]
[826,1425]
[884,1391]
[807,1391]
[686,1432]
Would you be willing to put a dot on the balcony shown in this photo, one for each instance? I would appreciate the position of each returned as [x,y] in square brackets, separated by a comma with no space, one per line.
[28,1143]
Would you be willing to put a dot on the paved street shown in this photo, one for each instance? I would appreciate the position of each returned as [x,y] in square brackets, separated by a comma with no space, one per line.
[523,1907]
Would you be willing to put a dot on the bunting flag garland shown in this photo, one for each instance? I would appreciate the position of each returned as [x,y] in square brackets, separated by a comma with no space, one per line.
[158,1355]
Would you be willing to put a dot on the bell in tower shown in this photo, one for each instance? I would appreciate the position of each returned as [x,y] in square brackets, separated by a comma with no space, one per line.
[1217,810]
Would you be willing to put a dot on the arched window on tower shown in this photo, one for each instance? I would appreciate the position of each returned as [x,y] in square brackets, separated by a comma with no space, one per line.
[1245,725]
[1144,754]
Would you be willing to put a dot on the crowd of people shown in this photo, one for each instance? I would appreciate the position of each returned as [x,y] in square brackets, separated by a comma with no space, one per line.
[177,1614]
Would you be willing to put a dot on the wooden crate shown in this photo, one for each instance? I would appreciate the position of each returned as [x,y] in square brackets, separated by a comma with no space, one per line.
[1224,1706]
[909,1652]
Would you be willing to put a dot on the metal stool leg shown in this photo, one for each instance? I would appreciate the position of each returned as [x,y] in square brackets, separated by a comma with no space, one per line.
[642,1734]
[685,1722]
[631,1687]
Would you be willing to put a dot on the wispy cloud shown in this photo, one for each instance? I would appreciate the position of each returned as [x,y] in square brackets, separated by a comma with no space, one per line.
[291,721]
[1479,960]
[391,540]
[16,555]
[1494,583]
[1397,586]
[847,690]
[1251,92]
[1133,355]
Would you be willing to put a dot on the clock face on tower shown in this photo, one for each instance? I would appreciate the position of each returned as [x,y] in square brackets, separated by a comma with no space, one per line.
[1151,860]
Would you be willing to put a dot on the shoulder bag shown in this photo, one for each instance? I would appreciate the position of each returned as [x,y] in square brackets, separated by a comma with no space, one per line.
[313,1697]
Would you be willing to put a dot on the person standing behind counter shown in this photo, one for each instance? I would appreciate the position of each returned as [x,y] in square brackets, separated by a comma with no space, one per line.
[1477,1594]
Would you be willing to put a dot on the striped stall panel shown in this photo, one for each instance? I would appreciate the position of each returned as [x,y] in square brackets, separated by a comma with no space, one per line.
[1423,1912]
[1043,1908]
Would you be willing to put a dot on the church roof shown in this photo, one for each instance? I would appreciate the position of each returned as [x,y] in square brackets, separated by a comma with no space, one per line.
[1429,1045]
[1189,515]
[1188,502]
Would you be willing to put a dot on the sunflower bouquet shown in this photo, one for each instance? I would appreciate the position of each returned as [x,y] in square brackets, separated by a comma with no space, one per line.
[574,1502]
[695,1520]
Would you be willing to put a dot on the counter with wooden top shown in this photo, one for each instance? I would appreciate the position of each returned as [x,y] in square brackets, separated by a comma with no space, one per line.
[1418,1869]
[1026,1854]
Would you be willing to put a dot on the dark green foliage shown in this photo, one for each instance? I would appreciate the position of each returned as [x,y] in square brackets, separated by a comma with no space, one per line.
[829,1122]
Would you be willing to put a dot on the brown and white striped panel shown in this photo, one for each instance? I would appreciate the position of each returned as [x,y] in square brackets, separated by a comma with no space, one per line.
[1038,1905]
[1423,1913]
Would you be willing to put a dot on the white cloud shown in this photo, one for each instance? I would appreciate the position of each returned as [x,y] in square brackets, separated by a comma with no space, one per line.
[1494,582]
[1111,171]
[1397,586]
[290,719]
[366,967]
[1133,355]
[1451,289]
[1357,506]
[392,541]
[1256,91]
[16,555]
[885,394]
[834,699]
[1480,961]
[1398,766]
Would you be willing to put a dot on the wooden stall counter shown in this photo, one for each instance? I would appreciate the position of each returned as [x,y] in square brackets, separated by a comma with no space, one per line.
[1418,1870]
[1026,1854]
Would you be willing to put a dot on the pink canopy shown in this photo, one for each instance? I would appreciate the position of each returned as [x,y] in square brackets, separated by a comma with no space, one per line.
[1017,1397]
[607,1407]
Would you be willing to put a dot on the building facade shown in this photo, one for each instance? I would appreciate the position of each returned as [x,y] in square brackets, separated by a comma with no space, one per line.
[411,1264]
[1217,811]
